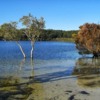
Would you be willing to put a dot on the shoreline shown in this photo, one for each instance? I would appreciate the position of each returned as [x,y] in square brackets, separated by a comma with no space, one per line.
[65,89]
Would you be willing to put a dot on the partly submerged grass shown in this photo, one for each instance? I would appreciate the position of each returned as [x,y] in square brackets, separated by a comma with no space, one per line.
[64,39]
[11,89]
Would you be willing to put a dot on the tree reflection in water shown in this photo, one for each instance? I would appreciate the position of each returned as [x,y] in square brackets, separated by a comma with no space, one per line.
[17,87]
[88,72]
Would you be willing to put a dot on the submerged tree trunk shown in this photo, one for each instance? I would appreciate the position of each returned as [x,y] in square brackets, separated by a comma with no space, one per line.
[21,49]
[22,63]
[32,44]
[95,55]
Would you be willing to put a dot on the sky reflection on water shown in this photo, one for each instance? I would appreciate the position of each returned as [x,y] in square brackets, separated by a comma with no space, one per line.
[51,60]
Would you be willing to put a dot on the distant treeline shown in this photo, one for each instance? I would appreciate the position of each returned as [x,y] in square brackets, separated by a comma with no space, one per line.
[48,35]
[45,35]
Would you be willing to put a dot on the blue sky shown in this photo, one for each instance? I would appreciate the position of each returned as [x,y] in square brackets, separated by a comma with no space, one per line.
[58,14]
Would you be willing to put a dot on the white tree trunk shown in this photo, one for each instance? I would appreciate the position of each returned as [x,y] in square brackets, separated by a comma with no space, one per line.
[21,64]
[21,49]
[32,44]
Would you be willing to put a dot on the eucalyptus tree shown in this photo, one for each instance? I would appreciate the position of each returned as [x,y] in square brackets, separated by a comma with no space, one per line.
[33,27]
[9,31]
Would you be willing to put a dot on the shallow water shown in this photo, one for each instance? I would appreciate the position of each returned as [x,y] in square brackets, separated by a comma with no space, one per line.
[52,61]
[49,57]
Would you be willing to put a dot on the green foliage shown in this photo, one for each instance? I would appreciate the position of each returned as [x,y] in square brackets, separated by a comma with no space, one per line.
[47,35]
[8,31]
[33,26]
[34,30]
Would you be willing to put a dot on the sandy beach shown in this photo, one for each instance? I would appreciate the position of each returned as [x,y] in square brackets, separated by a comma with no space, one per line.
[64,89]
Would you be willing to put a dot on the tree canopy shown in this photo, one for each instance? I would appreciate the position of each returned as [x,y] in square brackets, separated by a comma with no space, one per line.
[33,26]
[9,31]
[88,38]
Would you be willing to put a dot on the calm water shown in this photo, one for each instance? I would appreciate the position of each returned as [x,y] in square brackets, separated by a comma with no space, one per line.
[52,60]
[26,78]
[55,59]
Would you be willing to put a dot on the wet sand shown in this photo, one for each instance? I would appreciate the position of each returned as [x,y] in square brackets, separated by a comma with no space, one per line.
[66,89]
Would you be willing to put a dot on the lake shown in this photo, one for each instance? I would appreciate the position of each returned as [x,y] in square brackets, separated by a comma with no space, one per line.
[49,57]
[52,62]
